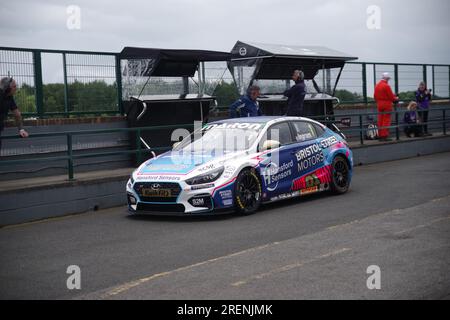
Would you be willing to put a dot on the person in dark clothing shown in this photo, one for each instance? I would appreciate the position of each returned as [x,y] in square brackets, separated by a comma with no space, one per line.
[412,121]
[247,105]
[423,98]
[296,94]
[8,89]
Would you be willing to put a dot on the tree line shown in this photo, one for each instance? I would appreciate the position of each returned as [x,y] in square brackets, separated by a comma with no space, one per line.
[99,95]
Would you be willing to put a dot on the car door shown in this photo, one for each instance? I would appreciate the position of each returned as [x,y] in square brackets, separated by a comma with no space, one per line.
[278,166]
[308,158]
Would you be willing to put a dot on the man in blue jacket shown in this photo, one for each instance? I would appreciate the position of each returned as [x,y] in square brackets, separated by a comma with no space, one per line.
[247,105]
[296,94]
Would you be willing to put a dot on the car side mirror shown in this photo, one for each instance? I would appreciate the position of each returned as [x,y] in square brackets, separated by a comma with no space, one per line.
[270,144]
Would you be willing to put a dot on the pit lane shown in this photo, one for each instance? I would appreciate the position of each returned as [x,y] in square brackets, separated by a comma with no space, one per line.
[395,216]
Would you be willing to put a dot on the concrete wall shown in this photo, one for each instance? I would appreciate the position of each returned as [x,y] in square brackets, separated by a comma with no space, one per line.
[69,197]
[374,153]
[28,204]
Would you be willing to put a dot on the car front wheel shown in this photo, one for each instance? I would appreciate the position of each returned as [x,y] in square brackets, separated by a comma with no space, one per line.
[247,192]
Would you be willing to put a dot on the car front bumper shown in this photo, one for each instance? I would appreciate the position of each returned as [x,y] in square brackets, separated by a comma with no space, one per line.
[186,200]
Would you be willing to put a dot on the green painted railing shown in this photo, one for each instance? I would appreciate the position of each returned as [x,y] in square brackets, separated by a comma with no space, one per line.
[70,156]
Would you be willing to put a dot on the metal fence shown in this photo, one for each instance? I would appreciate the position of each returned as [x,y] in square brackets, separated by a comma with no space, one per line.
[74,83]
[63,83]
[355,135]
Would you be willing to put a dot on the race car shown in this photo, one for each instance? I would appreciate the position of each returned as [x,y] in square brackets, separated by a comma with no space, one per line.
[240,164]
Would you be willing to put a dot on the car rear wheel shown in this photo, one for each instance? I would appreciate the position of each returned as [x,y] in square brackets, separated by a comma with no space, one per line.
[247,192]
[340,182]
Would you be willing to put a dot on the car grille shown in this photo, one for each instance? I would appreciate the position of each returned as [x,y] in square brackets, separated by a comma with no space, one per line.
[169,208]
[155,187]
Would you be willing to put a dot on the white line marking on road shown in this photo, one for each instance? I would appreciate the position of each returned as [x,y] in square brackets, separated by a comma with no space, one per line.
[132,284]
[390,212]
[419,226]
[289,267]
[129,285]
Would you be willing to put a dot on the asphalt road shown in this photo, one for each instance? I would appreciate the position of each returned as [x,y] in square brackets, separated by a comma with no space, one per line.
[396,216]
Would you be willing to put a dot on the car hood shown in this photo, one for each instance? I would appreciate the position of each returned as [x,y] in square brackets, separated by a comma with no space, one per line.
[174,162]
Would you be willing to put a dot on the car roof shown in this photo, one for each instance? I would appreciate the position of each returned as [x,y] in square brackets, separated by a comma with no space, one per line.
[260,119]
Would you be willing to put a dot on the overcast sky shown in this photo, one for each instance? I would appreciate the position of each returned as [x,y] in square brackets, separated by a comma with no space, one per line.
[410,31]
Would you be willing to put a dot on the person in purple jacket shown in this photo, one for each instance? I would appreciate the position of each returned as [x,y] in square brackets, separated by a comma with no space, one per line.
[423,98]
[412,122]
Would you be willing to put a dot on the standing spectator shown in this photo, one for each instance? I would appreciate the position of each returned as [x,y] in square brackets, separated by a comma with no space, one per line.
[384,98]
[247,105]
[8,88]
[296,94]
[412,121]
[423,98]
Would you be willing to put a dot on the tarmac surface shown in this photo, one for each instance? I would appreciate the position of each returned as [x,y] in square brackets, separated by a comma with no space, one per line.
[396,217]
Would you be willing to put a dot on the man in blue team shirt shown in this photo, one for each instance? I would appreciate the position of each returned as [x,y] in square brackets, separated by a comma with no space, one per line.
[296,94]
[247,105]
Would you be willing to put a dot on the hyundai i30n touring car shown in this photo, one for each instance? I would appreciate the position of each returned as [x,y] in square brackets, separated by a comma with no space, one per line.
[240,164]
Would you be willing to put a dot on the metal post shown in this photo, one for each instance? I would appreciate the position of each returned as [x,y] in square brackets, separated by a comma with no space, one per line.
[361,135]
[444,125]
[119,85]
[66,89]
[38,83]
[70,154]
[424,70]
[396,78]
[202,78]
[138,146]
[397,130]
[374,75]
[185,85]
[364,83]
[328,89]
[432,77]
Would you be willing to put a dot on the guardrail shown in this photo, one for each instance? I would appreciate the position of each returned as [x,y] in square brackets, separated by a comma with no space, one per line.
[397,123]
[359,129]
[70,156]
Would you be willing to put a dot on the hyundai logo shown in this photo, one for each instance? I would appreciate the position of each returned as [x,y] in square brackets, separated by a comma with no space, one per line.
[155,186]
[242,51]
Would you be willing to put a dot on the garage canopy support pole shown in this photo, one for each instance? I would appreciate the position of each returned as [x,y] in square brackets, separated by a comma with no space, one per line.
[185,85]
[201,78]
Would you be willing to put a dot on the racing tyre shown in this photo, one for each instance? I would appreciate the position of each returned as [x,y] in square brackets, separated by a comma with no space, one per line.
[340,181]
[247,192]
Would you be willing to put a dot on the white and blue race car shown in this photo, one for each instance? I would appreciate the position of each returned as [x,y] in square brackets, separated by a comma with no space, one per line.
[239,164]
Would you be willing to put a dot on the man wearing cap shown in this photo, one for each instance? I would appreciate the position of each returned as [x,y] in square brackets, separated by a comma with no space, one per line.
[247,105]
[296,94]
[384,98]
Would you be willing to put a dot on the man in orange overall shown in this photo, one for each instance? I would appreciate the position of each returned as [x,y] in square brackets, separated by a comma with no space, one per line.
[385,98]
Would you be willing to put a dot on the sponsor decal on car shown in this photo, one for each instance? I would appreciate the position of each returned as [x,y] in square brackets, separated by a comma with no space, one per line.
[318,177]
[226,194]
[228,172]
[273,174]
[235,125]
[309,190]
[328,142]
[309,157]
[160,177]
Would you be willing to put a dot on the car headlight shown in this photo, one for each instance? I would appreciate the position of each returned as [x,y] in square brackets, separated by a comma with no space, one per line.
[206,177]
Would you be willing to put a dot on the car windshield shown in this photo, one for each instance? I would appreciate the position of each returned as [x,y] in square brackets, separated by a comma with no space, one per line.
[223,137]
